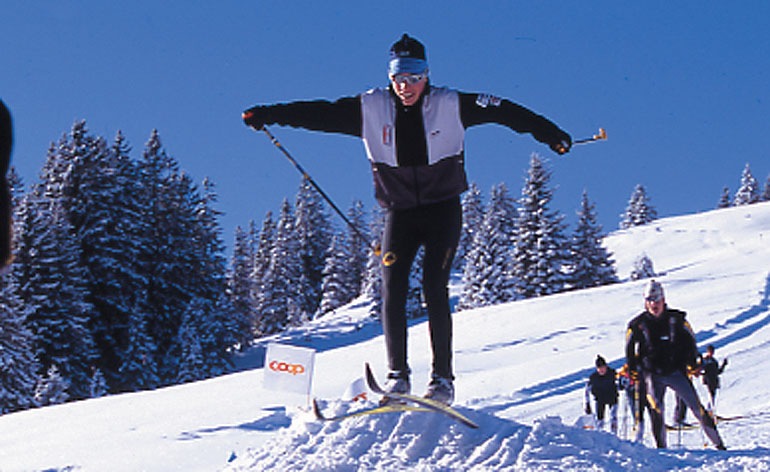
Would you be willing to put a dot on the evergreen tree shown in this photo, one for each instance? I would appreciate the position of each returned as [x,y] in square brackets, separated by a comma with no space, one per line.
[166,256]
[724,199]
[335,289]
[766,191]
[473,213]
[51,389]
[182,253]
[358,249]
[260,272]
[540,252]
[748,192]
[138,369]
[98,386]
[590,263]
[240,283]
[219,324]
[639,210]
[106,216]
[53,289]
[643,268]
[313,234]
[278,304]
[487,278]
[415,303]
[192,364]
[18,366]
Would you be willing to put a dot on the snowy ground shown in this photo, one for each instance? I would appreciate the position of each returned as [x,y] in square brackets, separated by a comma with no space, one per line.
[521,368]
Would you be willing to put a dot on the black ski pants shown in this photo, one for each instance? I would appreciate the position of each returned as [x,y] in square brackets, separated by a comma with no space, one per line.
[436,227]
[656,385]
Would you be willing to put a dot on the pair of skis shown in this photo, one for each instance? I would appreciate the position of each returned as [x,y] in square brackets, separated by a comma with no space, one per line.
[397,402]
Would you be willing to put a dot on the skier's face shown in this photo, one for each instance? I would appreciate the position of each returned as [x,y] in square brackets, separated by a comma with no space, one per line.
[409,87]
[655,307]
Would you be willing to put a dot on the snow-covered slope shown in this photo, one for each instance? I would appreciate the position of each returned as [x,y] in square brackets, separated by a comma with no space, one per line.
[520,371]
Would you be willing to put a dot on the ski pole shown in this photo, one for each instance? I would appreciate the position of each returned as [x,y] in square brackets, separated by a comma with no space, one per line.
[306,176]
[597,137]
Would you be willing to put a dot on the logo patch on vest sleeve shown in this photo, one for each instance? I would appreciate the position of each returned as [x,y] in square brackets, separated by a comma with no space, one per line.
[484,100]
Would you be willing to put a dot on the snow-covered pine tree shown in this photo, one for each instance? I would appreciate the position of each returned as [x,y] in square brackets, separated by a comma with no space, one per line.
[643,268]
[192,365]
[18,366]
[724,199]
[52,389]
[540,252]
[166,256]
[473,213]
[335,291]
[359,248]
[415,302]
[182,252]
[639,210]
[313,233]
[240,284]
[216,329]
[53,287]
[101,203]
[219,324]
[591,264]
[748,192]
[98,387]
[139,370]
[261,267]
[487,277]
[279,307]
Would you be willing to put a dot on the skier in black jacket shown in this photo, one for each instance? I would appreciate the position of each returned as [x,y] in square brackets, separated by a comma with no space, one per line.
[6,225]
[660,346]
[413,133]
[711,371]
[602,384]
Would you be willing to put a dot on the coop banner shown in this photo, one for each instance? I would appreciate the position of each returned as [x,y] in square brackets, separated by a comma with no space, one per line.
[289,368]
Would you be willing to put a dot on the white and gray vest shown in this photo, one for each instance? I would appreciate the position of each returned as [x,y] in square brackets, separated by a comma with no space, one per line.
[406,187]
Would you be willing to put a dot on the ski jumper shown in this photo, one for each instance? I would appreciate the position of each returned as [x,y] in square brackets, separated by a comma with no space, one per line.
[417,159]
[661,349]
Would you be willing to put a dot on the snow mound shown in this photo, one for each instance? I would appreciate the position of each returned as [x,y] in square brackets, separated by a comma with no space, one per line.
[419,441]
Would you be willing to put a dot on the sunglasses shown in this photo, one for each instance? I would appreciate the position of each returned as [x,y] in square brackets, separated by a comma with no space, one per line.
[410,79]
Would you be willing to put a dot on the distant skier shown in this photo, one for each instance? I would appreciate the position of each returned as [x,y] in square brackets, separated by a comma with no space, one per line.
[413,133]
[660,345]
[6,224]
[602,384]
[711,370]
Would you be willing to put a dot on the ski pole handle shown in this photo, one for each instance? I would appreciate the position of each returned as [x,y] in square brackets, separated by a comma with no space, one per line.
[597,137]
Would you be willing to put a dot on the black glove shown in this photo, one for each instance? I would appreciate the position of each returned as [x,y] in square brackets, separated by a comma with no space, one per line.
[255,117]
[588,408]
[561,143]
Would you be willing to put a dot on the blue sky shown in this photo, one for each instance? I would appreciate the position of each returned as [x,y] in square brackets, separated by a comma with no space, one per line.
[681,88]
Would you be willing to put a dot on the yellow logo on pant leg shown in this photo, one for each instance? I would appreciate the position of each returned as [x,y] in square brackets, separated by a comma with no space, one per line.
[389,259]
